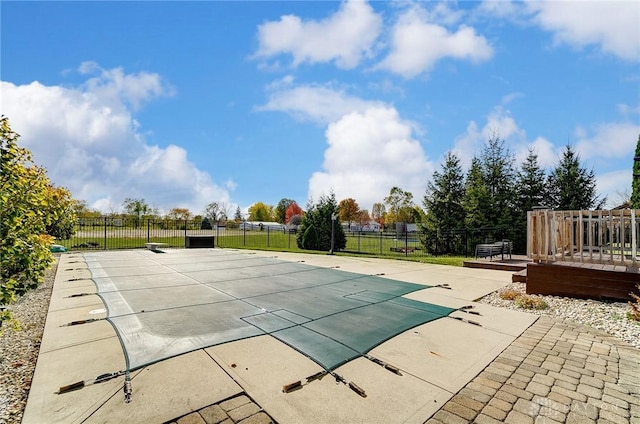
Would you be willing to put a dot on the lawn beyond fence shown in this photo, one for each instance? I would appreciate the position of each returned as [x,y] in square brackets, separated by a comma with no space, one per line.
[116,233]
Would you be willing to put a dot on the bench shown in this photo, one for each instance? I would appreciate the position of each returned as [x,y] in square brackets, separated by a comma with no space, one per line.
[154,246]
[494,249]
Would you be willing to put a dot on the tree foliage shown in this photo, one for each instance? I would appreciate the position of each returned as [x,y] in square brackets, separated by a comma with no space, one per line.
[315,231]
[400,206]
[635,184]
[260,212]
[477,202]
[27,199]
[348,210]
[378,212]
[137,209]
[443,205]
[280,211]
[531,185]
[179,213]
[499,177]
[237,217]
[571,186]
[216,212]
[293,210]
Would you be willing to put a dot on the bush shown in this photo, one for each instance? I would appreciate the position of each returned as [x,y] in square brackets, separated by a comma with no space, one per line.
[526,301]
[509,294]
[27,202]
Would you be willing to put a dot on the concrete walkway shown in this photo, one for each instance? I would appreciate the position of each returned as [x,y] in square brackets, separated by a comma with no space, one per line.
[513,367]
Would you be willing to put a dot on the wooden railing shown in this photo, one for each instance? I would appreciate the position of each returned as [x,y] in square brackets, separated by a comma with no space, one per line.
[603,237]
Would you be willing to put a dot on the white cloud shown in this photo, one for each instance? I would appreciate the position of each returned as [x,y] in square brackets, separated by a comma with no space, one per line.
[417,44]
[499,123]
[345,37]
[369,153]
[610,25]
[89,141]
[500,9]
[613,140]
[614,185]
[321,104]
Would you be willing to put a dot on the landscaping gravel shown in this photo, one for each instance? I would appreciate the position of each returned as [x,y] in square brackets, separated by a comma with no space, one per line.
[19,349]
[611,317]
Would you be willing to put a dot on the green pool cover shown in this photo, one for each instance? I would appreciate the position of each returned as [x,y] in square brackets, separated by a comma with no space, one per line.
[163,305]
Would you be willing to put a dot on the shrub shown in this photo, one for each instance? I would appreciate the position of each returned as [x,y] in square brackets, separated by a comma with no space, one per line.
[526,301]
[509,294]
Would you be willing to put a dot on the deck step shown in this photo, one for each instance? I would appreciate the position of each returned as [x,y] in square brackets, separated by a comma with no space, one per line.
[519,277]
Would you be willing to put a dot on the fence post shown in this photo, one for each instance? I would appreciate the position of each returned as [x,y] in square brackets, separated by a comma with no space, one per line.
[244,234]
[105,233]
[185,233]
[380,241]
[406,242]
[268,233]
[359,242]
[148,230]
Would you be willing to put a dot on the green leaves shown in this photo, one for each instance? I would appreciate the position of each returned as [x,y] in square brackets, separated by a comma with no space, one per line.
[31,208]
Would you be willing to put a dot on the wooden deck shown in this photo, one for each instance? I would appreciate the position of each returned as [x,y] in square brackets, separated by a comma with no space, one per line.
[516,263]
[582,280]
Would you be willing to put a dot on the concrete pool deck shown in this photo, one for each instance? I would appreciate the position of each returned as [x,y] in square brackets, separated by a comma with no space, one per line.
[244,379]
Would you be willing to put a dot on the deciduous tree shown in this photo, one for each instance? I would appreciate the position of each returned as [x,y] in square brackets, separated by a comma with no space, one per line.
[292,210]
[348,210]
[137,209]
[400,205]
[280,211]
[260,212]
[179,213]
[216,212]
[378,212]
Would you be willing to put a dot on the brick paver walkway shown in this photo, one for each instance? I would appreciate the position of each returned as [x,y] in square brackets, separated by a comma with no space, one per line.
[555,372]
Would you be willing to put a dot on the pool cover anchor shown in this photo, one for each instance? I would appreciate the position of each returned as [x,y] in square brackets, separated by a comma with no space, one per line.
[82,321]
[99,379]
[385,365]
[127,388]
[468,321]
[297,385]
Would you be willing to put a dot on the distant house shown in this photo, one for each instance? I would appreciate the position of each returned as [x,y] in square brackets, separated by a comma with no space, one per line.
[371,226]
[261,226]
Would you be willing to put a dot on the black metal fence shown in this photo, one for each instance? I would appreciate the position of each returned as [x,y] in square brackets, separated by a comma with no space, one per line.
[103,233]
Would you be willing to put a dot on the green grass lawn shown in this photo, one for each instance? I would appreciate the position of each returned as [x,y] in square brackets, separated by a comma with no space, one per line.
[370,245]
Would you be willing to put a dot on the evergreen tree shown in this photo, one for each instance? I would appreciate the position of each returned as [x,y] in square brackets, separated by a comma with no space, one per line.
[477,200]
[443,203]
[499,176]
[531,185]
[315,231]
[531,193]
[635,182]
[238,215]
[571,186]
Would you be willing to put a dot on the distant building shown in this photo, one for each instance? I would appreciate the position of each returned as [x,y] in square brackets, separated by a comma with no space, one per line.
[261,226]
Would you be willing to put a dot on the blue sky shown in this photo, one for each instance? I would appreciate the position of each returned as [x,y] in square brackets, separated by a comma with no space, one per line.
[185,103]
